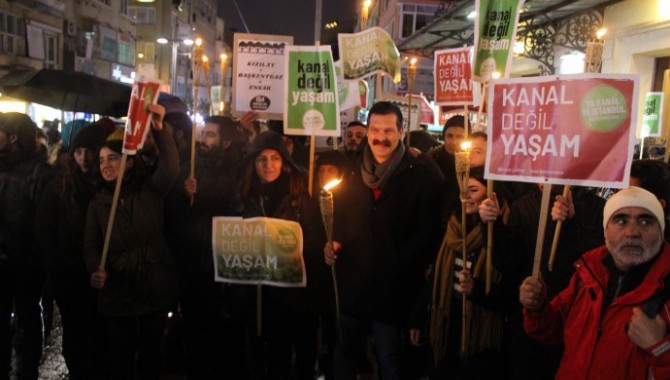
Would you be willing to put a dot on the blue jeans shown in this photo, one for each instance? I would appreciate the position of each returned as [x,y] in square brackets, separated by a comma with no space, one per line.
[352,349]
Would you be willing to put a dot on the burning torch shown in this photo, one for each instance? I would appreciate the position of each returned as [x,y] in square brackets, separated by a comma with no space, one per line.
[327,208]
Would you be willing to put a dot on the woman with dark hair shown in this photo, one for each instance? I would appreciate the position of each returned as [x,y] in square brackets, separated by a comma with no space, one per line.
[60,237]
[272,185]
[138,283]
[452,280]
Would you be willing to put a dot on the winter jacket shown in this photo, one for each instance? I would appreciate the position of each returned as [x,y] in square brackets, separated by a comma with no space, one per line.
[304,211]
[387,243]
[190,226]
[596,343]
[22,181]
[141,273]
[60,227]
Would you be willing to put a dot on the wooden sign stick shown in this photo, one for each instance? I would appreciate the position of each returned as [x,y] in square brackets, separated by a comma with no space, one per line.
[541,228]
[112,212]
[557,233]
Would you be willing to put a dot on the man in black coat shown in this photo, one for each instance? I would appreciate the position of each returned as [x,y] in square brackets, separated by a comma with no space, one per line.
[582,231]
[218,156]
[23,176]
[386,235]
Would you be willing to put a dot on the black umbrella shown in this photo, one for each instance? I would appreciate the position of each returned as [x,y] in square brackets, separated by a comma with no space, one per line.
[68,91]
[73,91]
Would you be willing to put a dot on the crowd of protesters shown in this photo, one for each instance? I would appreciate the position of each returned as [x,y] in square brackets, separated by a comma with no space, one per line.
[412,306]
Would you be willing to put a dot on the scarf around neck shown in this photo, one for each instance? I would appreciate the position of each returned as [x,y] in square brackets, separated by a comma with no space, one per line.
[375,175]
[484,326]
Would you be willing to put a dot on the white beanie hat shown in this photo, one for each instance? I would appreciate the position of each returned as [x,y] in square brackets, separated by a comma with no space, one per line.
[634,197]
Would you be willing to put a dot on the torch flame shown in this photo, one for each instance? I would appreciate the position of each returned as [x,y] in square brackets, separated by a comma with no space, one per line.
[466,145]
[496,75]
[332,184]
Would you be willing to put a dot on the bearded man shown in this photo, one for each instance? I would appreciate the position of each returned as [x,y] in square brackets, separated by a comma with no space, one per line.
[613,317]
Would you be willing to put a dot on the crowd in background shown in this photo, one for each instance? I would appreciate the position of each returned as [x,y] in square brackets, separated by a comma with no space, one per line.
[411,307]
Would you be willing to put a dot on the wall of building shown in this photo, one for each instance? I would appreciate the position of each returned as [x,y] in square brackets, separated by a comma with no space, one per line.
[638,32]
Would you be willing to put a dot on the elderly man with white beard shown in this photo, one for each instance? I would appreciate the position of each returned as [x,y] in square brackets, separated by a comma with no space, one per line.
[613,317]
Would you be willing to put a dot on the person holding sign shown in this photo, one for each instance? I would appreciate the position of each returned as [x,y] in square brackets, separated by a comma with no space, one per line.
[139,283]
[482,358]
[218,158]
[613,317]
[272,185]
[386,233]
[582,231]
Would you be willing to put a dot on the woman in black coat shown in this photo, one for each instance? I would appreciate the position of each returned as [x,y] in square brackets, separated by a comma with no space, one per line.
[272,185]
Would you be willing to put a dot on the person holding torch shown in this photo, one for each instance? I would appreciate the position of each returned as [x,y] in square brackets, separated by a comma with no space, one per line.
[386,233]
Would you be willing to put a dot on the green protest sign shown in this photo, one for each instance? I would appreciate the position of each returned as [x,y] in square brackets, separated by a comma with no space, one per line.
[369,52]
[258,251]
[495,34]
[312,98]
[652,115]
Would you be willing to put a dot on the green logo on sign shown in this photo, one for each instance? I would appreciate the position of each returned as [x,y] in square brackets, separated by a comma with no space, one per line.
[603,109]
[287,242]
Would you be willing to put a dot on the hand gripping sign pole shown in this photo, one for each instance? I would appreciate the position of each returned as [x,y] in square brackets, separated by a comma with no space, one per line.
[327,212]
[462,174]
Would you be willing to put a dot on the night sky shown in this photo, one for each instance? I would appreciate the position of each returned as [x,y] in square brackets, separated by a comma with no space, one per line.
[289,17]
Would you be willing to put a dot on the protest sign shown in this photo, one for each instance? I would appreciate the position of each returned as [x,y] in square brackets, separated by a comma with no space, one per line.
[572,130]
[142,95]
[258,74]
[369,52]
[311,92]
[495,34]
[403,104]
[349,96]
[652,117]
[453,77]
[258,251]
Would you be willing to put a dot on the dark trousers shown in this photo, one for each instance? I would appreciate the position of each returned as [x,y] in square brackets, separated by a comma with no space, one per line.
[84,340]
[135,346]
[352,350]
[20,293]
[213,338]
[285,331]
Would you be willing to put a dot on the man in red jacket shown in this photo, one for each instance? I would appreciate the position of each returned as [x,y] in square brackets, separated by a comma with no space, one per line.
[613,317]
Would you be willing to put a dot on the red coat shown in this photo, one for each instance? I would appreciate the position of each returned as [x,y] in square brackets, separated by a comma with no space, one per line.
[573,317]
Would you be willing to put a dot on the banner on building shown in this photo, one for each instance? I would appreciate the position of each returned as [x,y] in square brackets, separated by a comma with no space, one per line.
[576,130]
[258,74]
[403,104]
[311,92]
[453,77]
[495,35]
[652,117]
[143,94]
[261,250]
[367,53]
